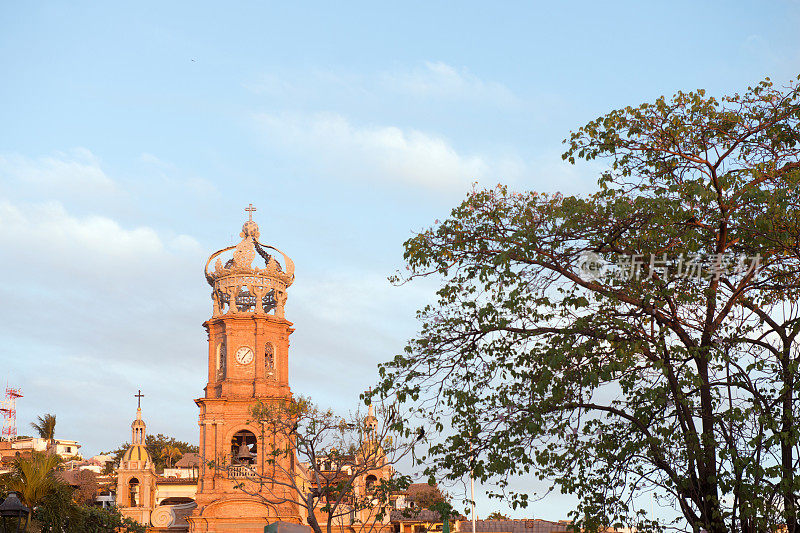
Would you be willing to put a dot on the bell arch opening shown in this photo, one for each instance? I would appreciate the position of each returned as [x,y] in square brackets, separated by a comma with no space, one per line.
[244,448]
[133,492]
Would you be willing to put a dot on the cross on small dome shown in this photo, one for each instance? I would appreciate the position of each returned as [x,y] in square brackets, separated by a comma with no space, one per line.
[139,397]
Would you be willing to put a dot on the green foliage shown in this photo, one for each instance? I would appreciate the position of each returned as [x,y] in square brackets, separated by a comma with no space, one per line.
[337,453]
[59,513]
[496,515]
[614,387]
[52,502]
[34,477]
[169,454]
[163,450]
[45,427]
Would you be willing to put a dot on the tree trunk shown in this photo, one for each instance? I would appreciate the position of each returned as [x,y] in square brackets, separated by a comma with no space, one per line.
[710,511]
[787,456]
[312,519]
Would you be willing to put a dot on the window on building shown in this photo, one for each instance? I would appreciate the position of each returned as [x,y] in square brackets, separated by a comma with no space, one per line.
[269,359]
[221,356]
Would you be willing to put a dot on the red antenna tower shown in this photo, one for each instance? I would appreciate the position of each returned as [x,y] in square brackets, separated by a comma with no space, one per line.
[9,410]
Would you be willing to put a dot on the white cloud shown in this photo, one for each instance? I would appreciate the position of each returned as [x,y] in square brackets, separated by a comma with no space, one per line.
[90,302]
[77,170]
[440,80]
[47,229]
[383,153]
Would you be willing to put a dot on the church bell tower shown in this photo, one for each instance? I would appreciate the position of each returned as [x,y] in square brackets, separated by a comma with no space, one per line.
[136,475]
[248,346]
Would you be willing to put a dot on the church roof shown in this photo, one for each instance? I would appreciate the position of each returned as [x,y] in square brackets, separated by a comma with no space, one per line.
[137,452]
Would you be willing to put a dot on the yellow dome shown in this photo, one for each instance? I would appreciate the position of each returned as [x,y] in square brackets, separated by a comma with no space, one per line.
[137,452]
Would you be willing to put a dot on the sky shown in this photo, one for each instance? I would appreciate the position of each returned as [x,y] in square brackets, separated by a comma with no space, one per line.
[132,137]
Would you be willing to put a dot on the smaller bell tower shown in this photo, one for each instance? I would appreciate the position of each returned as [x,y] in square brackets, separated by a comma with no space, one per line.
[248,351]
[136,475]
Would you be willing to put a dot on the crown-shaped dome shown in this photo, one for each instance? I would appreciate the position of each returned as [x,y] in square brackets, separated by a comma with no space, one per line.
[239,285]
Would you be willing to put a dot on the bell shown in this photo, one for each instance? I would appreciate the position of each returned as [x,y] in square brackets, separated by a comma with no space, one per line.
[244,453]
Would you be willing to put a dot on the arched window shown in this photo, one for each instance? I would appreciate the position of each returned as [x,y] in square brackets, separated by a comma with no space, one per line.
[269,359]
[133,492]
[371,481]
[244,448]
[221,357]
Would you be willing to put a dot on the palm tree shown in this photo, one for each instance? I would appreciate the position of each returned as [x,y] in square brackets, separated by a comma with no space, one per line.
[46,427]
[34,477]
[169,452]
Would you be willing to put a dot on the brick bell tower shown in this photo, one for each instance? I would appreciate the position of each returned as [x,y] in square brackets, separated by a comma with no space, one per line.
[248,346]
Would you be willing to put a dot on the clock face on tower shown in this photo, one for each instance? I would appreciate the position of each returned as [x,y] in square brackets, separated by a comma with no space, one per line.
[244,355]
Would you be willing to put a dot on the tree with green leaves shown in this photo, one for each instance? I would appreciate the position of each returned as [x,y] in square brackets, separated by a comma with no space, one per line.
[33,477]
[640,339]
[337,468]
[46,428]
[55,506]
[169,453]
[59,513]
[157,444]
[163,450]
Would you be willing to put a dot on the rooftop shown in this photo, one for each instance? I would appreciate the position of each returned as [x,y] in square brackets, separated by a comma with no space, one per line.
[515,526]
[189,460]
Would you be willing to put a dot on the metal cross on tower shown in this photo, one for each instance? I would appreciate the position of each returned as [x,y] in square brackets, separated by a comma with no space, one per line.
[139,397]
[250,209]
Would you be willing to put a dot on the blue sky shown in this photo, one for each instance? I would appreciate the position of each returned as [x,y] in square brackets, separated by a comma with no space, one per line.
[133,135]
